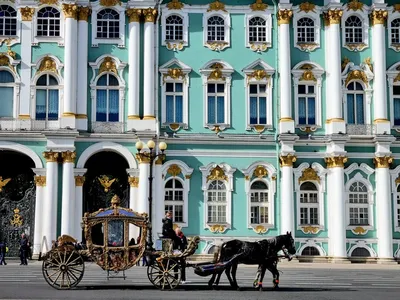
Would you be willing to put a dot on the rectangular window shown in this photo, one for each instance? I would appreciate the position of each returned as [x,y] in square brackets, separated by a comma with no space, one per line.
[396,104]
[359,216]
[174,102]
[309,208]
[306,102]
[216,214]
[7,102]
[395,35]
[216,103]
[258,104]
[259,208]
[355,109]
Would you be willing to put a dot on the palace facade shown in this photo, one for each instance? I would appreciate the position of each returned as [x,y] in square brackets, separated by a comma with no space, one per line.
[278,116]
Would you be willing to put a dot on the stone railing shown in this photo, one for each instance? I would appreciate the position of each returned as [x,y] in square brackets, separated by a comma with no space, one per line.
[107,127]
[360,129]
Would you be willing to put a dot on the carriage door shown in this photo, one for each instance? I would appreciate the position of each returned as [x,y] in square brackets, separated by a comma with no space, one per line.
[17,199]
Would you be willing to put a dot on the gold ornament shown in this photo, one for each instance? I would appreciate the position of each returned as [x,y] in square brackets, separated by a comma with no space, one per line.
[48,2]
[150,14]
[142,158]
[216,6]
[345,62]
[307,7]
[70,11]
[284,16]
[51,156]
[216,74]
[260,172]
[133,14]
[287,160]
[396,7]
[174,46]
[258,6]
[175,4]
[68,156]
[378,17]
[17,220]
[5,61]
[108,65]
[333,16]
[310,229]
[309,174]
[258,47]
[27,13]
[306,67]
[335,161]
[4,182]
[84,13]
[115,201]
[133,181]
[257,75]
[308,76]
[217,174]
[109,3]
[383,161]
[106,182]
[40,180]
[397,78]
[359,230]
[79,180]
[217,228]
[355,5]
[174,73]
[356,75]
[48,64]
[174,170]
[368,62]
[260,229]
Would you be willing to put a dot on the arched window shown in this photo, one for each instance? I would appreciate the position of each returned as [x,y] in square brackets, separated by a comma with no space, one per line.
[257,30]
[47,98]
[107,99]
[173,200]
[395,31]
[7,94]
[310,251]
[8,21]
[108,24]
[355,103]
[216,202]
[174,28]
[397,207]
[358,204]
[48,22]
[215,29]
[259,213]
[309,206]
[360,252]
[353,30]
[305,30]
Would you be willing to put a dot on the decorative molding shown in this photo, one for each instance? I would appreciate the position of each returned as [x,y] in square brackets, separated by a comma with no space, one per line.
[217,228]
[355,5]
[48,2]
[108,3]
[40,180]
[309,174]
[70,11]
[68,156]
[217,174]
[287,160]
[368,62]
[175,5]
[142,158]
[333,16]
[311,229]
[174,170]
[48,65]
[307,7]
[260,172]
[284,16]
[133,14]
[258,75]
[356,75]
[27,13]
[359,230]
[260,229]
[217,45]
[108,65]
[307,76]
[258,6]
[150,14]
[378,17]
[174,46]
[106,182]
[383,161]
[345,61]
[133,181]
[216,6]
[79,180]
[51,156]
[84,13]
[335,161]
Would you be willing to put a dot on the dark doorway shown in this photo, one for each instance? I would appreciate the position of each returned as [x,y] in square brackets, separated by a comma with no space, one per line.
[17,199]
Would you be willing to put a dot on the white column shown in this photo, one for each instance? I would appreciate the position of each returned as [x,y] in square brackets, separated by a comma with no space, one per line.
[40,181]
[70,59]
[158,209]
[287,201]
[79,181]
[148,64]
[49,225]
[134,66]
[82,65]
[384,226]
[379,61]
[26,61]
[335,123]
[133,180]
[68,194]
[336,206]
[143,199]
[286,123]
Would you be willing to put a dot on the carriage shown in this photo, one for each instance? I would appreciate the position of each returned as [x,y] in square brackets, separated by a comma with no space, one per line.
[108,244]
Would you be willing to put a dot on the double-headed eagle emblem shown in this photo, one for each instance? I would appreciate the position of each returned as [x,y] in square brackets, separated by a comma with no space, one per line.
[106,182]
[3,182]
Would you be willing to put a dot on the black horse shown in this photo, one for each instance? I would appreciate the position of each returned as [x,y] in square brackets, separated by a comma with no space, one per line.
[263,253]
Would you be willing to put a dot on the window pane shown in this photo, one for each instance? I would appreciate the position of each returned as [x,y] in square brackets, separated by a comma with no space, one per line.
[40,104]
[53,105]
[6,101]
[101,106]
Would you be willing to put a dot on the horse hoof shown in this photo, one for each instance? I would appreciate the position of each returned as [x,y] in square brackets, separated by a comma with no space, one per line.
[260,288]
[238,288]
[215,287]
[276,287]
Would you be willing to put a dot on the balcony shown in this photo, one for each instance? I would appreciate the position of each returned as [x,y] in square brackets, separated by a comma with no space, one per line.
[360,129]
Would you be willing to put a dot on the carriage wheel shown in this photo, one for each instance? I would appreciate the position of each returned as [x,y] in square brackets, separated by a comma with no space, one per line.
[63,269]
[165,274]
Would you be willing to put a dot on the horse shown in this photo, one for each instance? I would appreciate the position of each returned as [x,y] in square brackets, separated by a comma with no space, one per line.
[263,253]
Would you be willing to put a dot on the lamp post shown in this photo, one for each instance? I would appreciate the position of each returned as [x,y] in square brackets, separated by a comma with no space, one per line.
[151,156]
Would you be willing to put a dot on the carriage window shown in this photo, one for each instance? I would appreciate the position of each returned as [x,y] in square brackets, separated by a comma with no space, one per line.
[358,204]
[309,206]
[98,234]
[216,202]
[115,233]
[259,203]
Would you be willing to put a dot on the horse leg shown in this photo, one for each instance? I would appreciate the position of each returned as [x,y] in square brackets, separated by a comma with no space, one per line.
[275,273]
[261,273]
[256,279]
[212,280]
[215,282]
[228,275]
[234,269]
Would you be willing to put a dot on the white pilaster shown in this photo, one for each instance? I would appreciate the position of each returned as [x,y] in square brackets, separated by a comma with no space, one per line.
[379,61]
[384,226]
[49,225]
[286,122]
[26,61]
[134,67]
[287,201]
[133,180]
[78,214]
[40,181]
[143,199]
[158,209]
[82,65]
[335,123]
[70,68]
[148,64]
[68,194]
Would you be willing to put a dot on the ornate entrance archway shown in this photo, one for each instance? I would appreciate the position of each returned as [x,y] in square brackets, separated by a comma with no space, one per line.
[17,199]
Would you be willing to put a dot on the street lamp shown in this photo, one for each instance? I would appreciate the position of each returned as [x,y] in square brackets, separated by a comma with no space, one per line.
[151,156]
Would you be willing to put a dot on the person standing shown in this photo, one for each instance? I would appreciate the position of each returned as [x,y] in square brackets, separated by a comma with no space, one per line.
[3,251]
[168,230]
[181,245]
[23,249]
